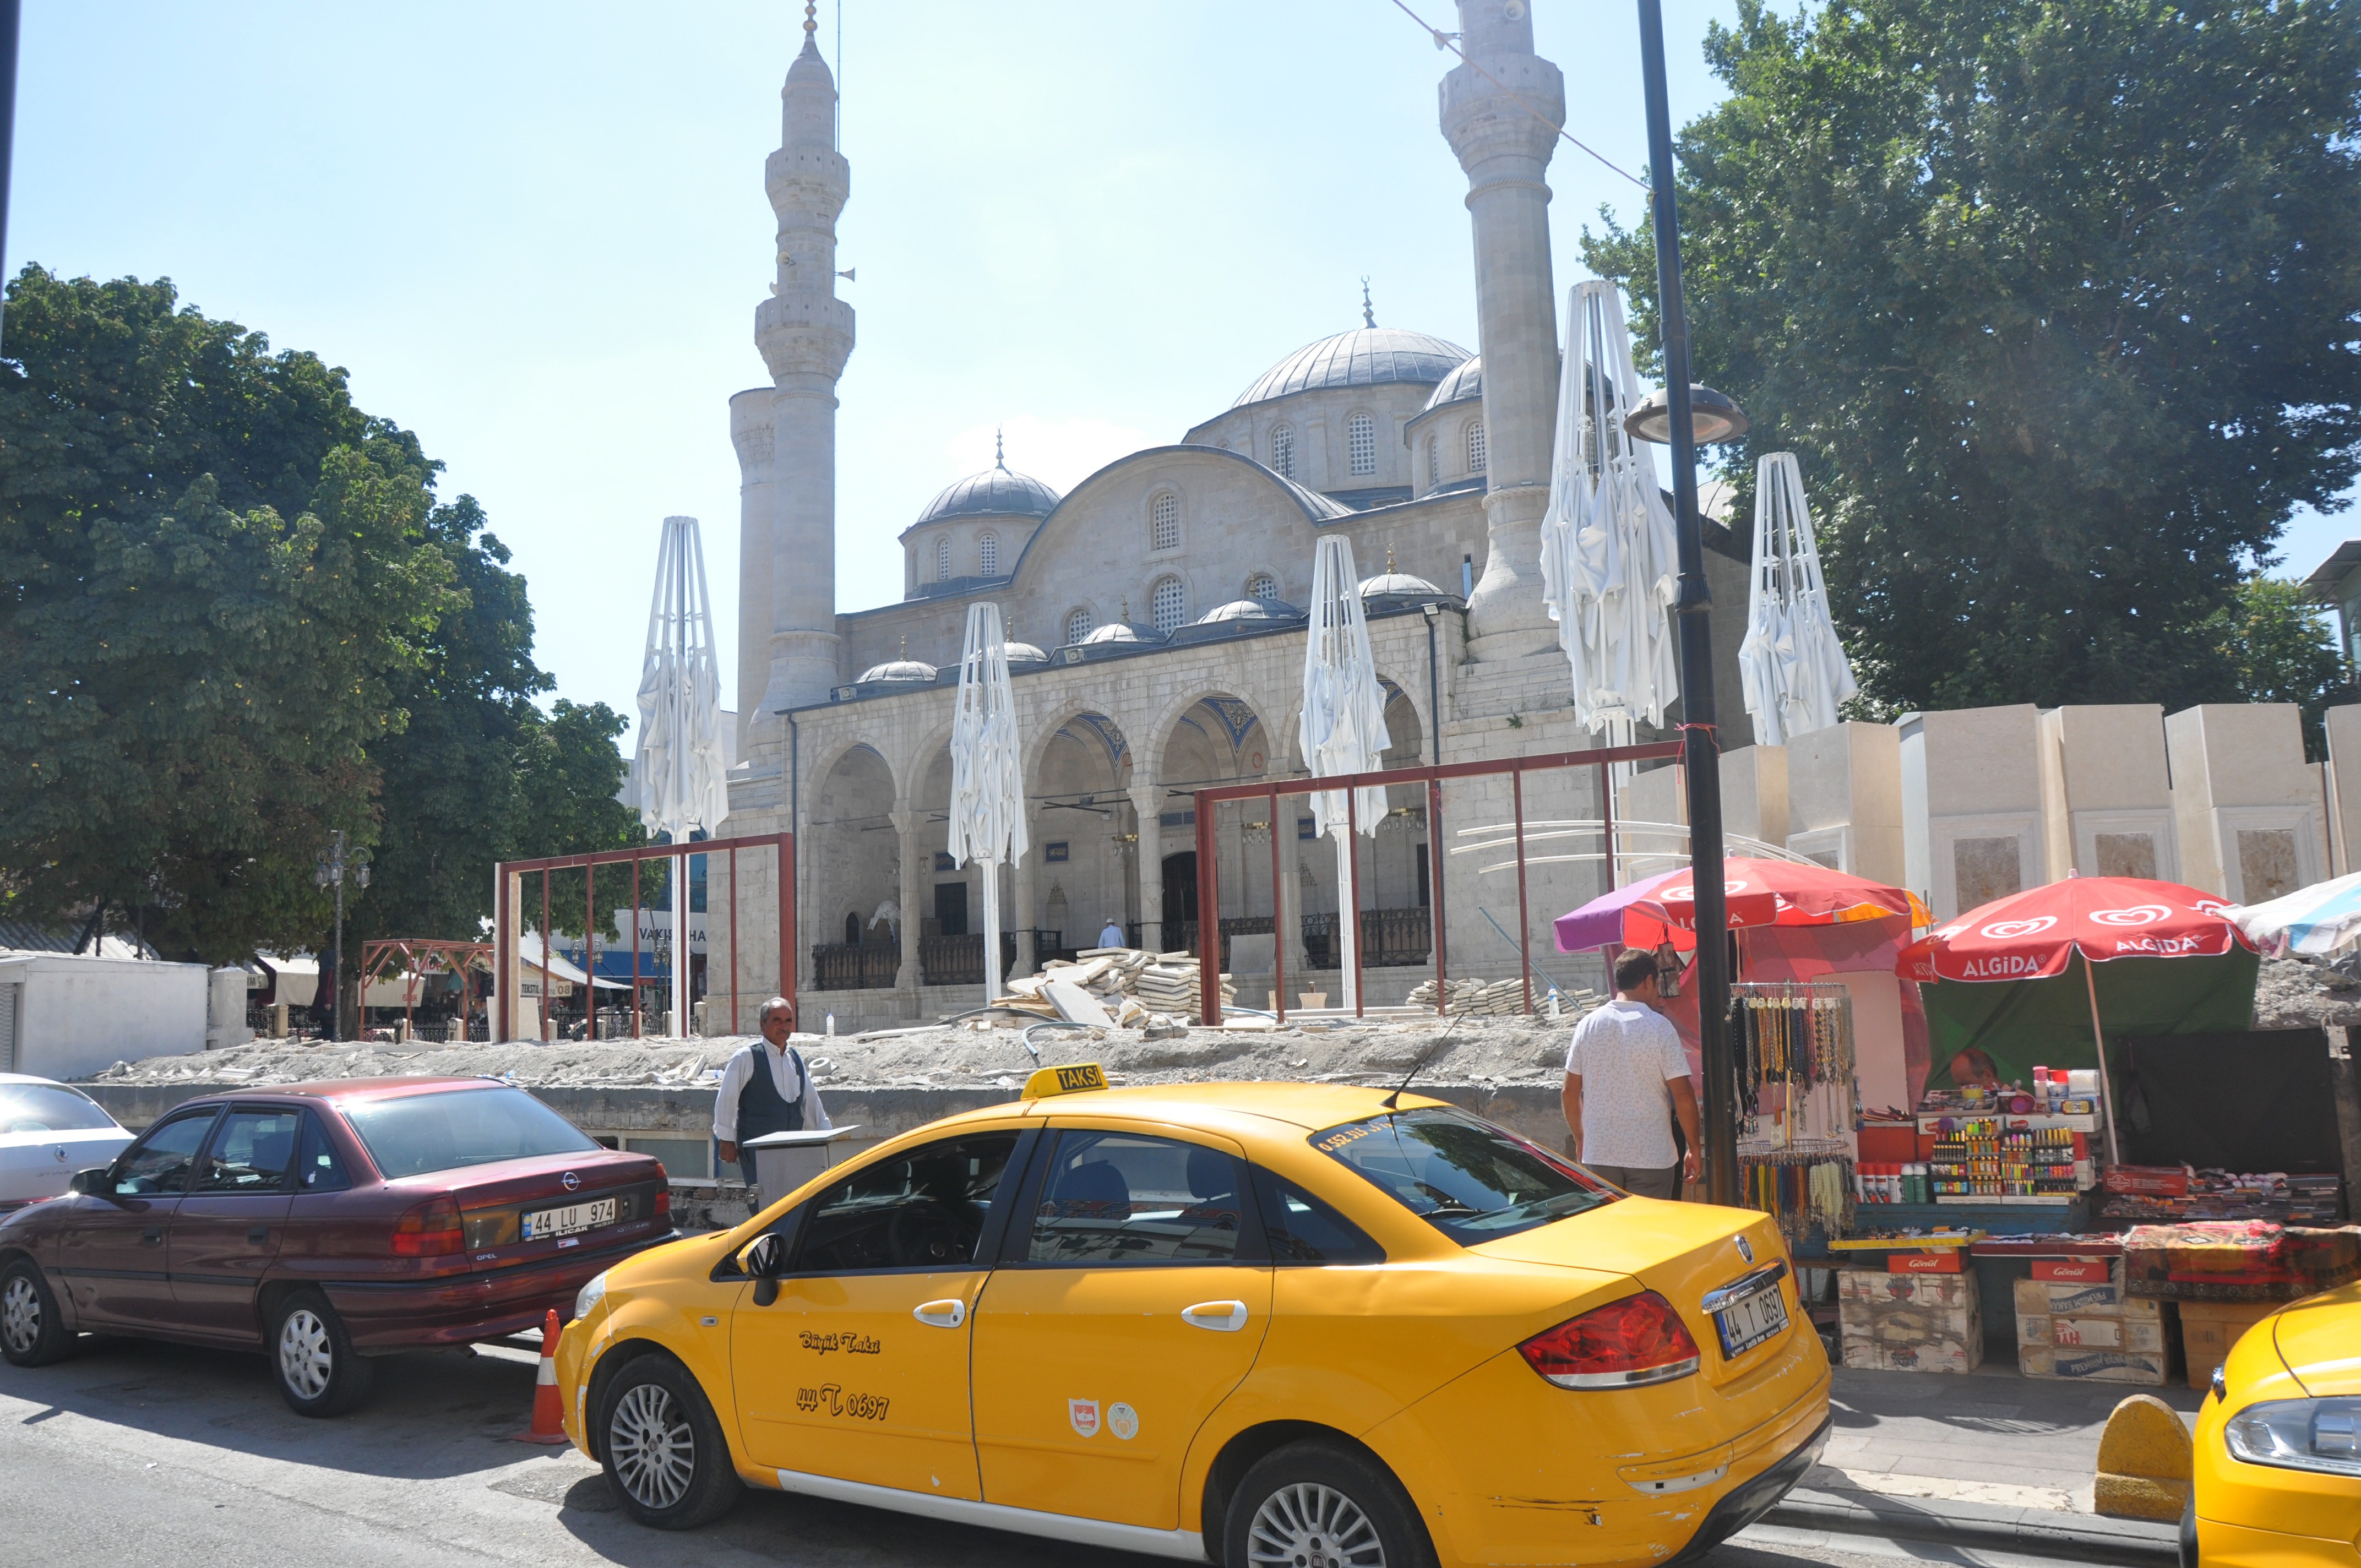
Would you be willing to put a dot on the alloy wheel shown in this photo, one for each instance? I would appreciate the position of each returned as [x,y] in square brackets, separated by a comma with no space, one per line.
[1310,1526]
[651,1447]
[307,1358]
[20,1315]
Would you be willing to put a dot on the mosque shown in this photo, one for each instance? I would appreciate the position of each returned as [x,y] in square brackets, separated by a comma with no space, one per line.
[1156,646]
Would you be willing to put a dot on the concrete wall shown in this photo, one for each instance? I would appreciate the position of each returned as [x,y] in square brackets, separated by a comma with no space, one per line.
[77,1016]
[1844,799]
[2248,808]
[1974,816]
[2344,768]
[2108,793]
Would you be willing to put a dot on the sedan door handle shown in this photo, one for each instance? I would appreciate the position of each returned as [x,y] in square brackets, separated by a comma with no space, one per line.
[940,1314]
[1222,1317]
[152,1236]
[259,1234]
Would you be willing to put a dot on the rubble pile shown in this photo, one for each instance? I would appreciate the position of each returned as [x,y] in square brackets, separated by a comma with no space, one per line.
[1134,989]
[1472,998]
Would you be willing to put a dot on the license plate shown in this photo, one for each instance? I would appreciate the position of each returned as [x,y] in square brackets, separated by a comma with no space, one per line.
[566,1222]
[1745,1324]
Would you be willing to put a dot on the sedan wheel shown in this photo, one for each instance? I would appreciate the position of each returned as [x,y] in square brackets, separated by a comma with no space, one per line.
[305,1358]
[1311,1526]
[31,1332]
[652,1446]
[1323,1505]
[662,1448]
[311,1358]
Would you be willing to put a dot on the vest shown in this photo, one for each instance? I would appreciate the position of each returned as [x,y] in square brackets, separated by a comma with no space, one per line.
[760,1109]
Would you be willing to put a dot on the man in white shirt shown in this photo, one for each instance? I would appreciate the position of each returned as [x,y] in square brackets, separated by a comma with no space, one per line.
[1626,1078]
[1111,934]
[765,1088]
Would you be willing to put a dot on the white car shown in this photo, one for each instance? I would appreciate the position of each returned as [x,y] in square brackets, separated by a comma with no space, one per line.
[48,1132]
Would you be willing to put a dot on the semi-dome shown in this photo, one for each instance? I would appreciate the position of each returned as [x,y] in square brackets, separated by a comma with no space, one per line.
[998,491]
[1467,381]
[1250,609]
[902,670]
[1365,357]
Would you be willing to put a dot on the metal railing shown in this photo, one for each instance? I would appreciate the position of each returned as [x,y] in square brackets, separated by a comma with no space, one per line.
[855,966]
[958,960]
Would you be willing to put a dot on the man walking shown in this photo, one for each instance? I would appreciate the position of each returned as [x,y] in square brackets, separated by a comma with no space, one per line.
[765,1088]
[1626,1078]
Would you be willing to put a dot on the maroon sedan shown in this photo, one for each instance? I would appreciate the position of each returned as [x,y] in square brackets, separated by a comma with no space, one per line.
[327,1222]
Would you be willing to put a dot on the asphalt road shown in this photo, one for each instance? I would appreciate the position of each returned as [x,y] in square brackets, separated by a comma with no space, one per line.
[167,1454]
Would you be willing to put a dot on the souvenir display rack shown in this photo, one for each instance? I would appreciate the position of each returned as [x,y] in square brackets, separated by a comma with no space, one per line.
[1793,1045]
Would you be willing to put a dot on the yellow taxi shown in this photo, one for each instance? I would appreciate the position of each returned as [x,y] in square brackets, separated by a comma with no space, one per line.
[1241,1322]
[2277,1466]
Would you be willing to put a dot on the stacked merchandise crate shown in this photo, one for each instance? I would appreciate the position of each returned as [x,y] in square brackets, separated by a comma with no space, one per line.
[2075,1320]
[1910,1322]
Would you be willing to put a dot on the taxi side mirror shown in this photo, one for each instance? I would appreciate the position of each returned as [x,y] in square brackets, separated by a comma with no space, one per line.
[764,1258]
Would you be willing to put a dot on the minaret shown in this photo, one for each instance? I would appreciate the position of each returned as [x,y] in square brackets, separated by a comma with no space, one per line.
[785,433]
[1505,147]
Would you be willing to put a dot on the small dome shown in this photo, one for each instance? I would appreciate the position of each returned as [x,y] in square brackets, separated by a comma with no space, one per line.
[1462,384]
[1365,357]
[1123,631]
[1025,653]
[996,492]
[1394,583]
[1250,609]
[900,670]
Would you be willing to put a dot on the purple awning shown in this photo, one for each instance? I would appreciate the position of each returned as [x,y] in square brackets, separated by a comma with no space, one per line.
[1599,923]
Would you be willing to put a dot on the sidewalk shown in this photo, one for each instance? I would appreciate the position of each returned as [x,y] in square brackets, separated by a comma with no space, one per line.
[1989,1459]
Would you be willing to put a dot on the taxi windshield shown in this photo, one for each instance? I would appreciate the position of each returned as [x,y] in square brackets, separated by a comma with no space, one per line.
[1471,1180]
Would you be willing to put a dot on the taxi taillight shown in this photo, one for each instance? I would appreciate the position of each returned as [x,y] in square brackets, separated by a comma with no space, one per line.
[431,1230]
[1623,1344]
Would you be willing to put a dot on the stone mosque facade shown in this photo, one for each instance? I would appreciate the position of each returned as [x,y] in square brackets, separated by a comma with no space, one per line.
[1156,642]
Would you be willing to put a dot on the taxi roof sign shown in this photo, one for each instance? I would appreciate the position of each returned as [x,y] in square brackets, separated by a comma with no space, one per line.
[1054,1080]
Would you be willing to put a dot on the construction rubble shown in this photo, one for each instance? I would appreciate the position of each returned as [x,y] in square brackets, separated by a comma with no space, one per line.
[1122,986]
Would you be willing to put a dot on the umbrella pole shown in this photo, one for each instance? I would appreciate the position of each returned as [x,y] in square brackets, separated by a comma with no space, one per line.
[990,930]
[2106,1094]
[1346,920]
[680,944]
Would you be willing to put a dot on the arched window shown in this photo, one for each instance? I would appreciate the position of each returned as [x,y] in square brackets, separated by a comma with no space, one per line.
[1164,523]
[1169,605]
[1476,447]
[1262,586]
[1361,444]
[987,555]
[1078,626]
[943,559]
[1434,460]
[1282,451]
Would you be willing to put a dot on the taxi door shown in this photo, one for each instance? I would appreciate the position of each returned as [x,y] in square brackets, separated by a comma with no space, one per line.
[859,1369]
[1130,1298]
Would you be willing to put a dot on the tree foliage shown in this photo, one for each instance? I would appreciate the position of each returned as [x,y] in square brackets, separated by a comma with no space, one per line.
[2280,648]
[233,619]
[2057,303]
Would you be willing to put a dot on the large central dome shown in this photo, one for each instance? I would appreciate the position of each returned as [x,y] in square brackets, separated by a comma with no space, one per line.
[1365,357]
[996,492]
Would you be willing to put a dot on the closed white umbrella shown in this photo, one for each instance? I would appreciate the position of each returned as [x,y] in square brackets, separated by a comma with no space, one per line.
[679,777]
[1610,567]
[987,815]
[1791,659]
[1343,729]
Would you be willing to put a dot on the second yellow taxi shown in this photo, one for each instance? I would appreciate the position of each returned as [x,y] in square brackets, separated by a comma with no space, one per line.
[1246,1324]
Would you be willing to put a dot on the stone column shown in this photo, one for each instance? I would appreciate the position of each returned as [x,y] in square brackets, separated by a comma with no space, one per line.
[1028,912]
[907,819]
[1286,901]
[1145,800]
[1505,146]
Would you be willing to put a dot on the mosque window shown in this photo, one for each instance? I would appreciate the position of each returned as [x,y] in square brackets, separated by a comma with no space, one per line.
[1282,451]
[1361,444]
[1078,626]
[1476,447]
[943,560]
[1168,605]
[1164,523]
[1434,460]
[987,555]
[1262,586]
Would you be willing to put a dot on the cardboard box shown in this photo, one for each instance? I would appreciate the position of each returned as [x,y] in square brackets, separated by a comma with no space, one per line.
[2089,1365]
[2208,1330]
[2154,1180]
[1908,1339]
[2103,1332]
[1952,1290]
[2051,1299]
[2079,1271]
[1944,1262]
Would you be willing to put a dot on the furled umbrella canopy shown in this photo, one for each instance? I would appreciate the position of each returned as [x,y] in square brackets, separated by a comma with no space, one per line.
[1343,728]
[987,813]
[1791,661]
[2318,919]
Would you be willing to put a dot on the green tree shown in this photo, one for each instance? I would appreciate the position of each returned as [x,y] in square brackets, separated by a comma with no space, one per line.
[2280,648]
[2057,304]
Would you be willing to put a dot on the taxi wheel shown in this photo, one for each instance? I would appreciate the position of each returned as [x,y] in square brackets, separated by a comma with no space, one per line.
[32,1333]
[1321,1505]
[313,1360]
[664,1451]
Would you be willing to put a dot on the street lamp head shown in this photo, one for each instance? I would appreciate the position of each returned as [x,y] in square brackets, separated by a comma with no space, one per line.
[1713,417]
[360,875]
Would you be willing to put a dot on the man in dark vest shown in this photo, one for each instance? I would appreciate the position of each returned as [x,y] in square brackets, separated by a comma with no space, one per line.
[765,1088]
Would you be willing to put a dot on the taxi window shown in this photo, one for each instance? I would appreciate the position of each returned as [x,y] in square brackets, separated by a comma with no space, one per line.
[1123,1198]
[1468,1179]
[922,1209]
[1304,1230]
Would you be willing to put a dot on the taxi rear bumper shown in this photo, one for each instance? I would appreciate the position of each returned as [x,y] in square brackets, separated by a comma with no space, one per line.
[1749,1501]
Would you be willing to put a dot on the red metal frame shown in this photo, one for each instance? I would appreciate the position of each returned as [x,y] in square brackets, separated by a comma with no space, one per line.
[420,955]
[505,957]
[1209,922]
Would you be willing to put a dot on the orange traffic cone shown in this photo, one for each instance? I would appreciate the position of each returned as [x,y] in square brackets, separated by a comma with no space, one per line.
[548,1415]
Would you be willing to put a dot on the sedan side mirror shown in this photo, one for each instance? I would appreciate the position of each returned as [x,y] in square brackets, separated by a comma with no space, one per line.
[90,1183]
[764,1258]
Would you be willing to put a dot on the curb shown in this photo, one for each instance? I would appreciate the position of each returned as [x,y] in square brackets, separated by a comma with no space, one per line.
[2035,1532]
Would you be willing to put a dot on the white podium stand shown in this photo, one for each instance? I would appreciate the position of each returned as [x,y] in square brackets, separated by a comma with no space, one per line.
[784,1161]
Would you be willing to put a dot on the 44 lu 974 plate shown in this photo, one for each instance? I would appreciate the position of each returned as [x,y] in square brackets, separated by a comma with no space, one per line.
[566,1222]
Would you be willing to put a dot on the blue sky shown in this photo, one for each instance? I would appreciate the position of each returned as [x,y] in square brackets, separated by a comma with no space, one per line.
[536,233]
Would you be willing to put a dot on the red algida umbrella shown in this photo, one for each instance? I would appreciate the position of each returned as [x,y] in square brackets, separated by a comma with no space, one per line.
[2035,934]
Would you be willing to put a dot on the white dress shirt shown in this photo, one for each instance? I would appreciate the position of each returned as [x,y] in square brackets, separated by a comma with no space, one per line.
[782,1078]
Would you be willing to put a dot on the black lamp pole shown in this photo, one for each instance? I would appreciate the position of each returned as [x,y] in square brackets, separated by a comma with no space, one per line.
[1700,750]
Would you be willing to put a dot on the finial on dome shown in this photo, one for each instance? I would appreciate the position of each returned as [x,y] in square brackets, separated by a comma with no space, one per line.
[906,636]
[999,451]
[810,25]
[1389,560]
[1368,316]
[1126,610]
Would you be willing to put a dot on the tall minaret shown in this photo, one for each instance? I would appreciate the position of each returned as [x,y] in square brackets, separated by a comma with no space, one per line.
[786,432]
[1505,147]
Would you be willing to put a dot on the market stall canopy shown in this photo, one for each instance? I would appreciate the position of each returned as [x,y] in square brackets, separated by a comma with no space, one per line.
[2318,919]
[2034,935]
[1599,923]
[1768,893]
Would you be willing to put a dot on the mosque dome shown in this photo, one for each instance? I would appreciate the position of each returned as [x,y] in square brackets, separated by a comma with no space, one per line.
[1392,583]
[1467,381]
[1365,357]
[1250,609]
[998,491]
[1025,653]
[904,670]
[1123,630]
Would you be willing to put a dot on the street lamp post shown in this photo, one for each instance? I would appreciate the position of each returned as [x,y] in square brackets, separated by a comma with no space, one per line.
[335,863]
[1675,424]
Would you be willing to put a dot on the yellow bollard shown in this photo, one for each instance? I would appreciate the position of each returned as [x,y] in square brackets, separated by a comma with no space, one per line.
[2144,1462]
